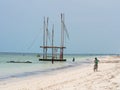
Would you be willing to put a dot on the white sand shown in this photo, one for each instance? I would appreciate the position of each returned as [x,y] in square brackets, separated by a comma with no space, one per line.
[76,78]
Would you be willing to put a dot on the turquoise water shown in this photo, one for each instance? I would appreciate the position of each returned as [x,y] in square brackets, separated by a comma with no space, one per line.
[9,70]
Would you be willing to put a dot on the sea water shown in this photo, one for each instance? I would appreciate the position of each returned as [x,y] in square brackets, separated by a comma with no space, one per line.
[18,70]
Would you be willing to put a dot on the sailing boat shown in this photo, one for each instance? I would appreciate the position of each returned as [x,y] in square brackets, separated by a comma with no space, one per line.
[53,47]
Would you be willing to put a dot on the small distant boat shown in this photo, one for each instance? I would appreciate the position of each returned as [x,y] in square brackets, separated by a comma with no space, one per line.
[19,62]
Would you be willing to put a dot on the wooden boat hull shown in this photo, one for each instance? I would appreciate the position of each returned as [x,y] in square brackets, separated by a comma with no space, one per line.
[53,60]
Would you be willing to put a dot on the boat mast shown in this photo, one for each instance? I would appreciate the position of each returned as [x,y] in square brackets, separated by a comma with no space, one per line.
[53,44]
[44,38]
[62,36]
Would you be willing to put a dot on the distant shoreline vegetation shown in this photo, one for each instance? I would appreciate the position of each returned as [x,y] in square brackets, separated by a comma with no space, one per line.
[39,54]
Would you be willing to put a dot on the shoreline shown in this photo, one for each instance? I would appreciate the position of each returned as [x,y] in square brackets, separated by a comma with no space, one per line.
[42,72]
[74,78]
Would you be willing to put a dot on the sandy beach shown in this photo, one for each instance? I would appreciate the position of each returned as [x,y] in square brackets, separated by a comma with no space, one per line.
[75,78]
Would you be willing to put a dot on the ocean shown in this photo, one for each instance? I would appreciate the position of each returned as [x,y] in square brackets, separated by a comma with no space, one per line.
[19,70]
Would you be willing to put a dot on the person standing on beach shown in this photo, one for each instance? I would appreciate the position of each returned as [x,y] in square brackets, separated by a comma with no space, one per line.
[96,64]
[73,59]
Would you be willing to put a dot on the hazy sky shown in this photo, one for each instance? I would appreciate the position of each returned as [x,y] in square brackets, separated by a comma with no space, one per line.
[93,25]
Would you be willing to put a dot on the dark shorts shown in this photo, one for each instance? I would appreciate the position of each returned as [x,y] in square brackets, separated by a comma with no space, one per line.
[95,66]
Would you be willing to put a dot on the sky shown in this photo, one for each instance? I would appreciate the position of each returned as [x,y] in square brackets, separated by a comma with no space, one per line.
[93,25]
